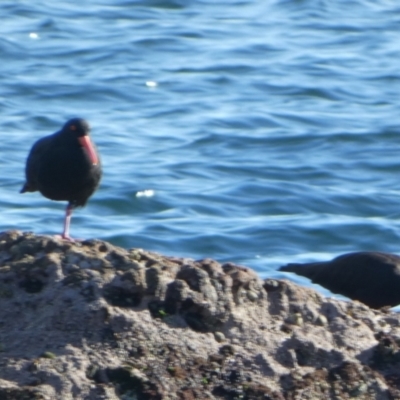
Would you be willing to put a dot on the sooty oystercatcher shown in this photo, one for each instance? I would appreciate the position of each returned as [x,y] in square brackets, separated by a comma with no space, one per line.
[370,277]
[64,166]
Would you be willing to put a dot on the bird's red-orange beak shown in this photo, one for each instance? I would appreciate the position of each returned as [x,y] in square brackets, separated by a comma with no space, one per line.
[86,143]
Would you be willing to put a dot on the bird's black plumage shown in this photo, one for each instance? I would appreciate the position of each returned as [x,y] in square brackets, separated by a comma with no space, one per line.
[370,277]
[64,166]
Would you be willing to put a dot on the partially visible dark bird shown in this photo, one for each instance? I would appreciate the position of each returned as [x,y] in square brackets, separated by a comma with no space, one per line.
[64,166]
[370,277]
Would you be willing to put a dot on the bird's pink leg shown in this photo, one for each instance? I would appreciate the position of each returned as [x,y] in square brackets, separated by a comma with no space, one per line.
[67,221]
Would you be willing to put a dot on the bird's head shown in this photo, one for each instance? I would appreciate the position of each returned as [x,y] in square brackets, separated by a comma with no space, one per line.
[80,128]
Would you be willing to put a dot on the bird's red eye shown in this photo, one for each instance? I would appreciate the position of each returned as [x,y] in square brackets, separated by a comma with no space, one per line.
[73,128]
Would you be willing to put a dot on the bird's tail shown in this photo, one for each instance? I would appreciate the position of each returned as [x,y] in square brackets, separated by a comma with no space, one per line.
[27,188]
[309,270]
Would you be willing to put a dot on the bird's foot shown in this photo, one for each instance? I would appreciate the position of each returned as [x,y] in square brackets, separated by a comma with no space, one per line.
[65,237]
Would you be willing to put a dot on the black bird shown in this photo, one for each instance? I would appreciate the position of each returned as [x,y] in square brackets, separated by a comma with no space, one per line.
[370,277]
[64,166]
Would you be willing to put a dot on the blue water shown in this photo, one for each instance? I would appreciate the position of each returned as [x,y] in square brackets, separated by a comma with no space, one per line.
[256,132]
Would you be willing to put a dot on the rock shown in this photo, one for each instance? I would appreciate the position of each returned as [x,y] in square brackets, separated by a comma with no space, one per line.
[219,336]
[90,321]
[370,277]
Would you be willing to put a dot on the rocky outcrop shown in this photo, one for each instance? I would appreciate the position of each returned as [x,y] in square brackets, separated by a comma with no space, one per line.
[89,320]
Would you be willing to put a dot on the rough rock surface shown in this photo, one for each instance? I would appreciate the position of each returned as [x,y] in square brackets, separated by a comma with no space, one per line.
[90,321]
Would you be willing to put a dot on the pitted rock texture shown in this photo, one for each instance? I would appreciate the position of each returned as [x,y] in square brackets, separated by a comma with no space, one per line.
[89,320]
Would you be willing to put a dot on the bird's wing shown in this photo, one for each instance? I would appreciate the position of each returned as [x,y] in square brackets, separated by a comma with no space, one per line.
[33,163]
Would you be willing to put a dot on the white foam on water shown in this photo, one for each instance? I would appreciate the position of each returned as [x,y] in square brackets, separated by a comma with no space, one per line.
[145,193]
